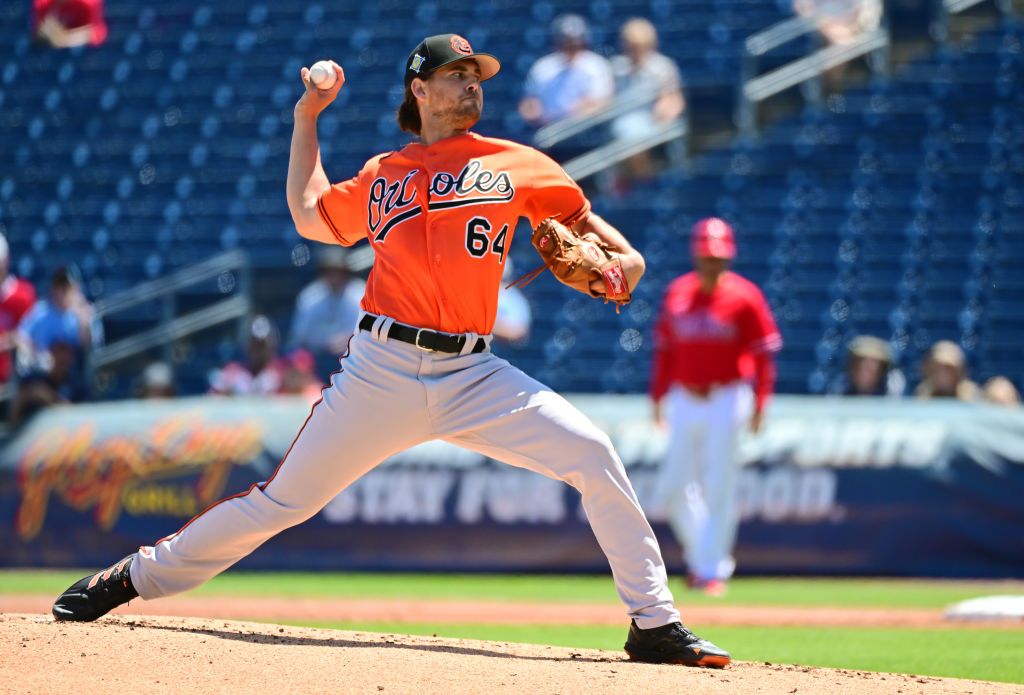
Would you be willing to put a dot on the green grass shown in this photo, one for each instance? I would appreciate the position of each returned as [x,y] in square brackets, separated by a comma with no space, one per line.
[993,655]
[879,593]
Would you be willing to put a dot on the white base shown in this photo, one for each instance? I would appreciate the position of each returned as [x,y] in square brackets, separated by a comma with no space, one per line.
[988,608]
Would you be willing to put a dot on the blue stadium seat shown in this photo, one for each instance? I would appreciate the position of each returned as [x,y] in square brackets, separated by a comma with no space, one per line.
[170,141]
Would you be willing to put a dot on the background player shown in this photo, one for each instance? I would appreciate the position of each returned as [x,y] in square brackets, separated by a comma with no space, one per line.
[713,335]
[439,214]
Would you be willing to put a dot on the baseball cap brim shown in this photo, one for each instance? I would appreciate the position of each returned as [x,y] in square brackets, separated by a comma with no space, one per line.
[488,64]
[714,248]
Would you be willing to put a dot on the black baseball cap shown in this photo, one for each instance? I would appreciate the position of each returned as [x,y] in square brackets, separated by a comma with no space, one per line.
[437,51]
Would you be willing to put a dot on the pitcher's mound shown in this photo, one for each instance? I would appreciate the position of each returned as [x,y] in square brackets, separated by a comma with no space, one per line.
[192,655]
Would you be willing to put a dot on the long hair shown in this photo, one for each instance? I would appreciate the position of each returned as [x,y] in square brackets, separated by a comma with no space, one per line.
[409,114]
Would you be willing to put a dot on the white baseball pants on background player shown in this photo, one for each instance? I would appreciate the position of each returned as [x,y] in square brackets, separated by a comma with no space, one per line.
[697,482]
[389,396]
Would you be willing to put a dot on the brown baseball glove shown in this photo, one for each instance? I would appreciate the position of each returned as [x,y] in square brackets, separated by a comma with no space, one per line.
[577,260]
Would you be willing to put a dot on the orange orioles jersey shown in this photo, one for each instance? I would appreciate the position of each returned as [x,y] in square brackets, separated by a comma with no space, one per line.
[440,219]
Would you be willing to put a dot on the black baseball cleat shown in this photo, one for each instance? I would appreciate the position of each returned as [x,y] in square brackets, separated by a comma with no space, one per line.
[97,594]
[673,644]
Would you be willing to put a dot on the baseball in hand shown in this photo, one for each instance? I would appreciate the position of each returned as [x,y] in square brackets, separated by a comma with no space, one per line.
[322,75]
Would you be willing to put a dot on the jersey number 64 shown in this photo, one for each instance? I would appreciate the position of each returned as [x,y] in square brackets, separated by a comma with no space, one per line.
[478,242]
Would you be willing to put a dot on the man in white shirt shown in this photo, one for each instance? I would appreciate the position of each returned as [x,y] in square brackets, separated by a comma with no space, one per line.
[327,309]
[512,322]
[641,69]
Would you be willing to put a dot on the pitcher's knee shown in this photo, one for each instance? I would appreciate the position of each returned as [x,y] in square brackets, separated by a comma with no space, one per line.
[274,514]
[592,455]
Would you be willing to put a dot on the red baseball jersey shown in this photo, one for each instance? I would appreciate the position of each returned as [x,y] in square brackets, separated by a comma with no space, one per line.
[440,220]
[73,15]
[703,339]
[16,297]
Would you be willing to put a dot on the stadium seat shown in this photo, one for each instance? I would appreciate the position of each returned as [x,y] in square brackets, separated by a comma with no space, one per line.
[901,199]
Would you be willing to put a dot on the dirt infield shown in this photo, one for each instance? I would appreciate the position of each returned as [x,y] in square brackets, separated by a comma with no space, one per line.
[511,613]
[186,655]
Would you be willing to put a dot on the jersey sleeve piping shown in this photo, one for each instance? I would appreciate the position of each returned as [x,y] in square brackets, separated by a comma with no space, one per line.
[577,215]
[327,220]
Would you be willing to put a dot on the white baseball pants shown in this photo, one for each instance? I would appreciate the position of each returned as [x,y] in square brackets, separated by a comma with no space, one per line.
[697,482]
[390,396]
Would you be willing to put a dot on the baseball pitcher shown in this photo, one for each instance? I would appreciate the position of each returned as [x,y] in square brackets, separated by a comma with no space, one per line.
[439,214]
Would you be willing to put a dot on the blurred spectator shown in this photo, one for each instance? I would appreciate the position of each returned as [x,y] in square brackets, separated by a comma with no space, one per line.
[68,23]
[263,369]
[512,321]
[327,309]
[16,298]
[569,82]
[65,315]
[641,69]
[299,376]
[839,21]
[869,370]
[157,381]
[1001,391]
[53,381]
[944,374]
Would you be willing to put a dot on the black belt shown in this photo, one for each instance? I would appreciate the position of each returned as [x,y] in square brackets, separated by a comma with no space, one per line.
[424,338]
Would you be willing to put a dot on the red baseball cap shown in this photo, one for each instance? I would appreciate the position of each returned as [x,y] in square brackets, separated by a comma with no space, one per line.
[714,238]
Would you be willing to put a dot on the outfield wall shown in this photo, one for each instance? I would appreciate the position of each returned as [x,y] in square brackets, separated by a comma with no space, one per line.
[831,486]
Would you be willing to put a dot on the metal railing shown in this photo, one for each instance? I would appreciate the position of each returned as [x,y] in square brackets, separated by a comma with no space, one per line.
[171,327]
[619,149]
[944,9]
[602,157]
[778,34]
[756,88]
[630,100]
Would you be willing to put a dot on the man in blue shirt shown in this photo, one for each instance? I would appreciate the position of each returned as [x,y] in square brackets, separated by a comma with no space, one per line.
[65,316]
[569,82]
[327,309]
